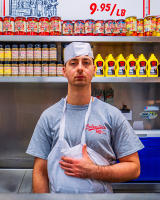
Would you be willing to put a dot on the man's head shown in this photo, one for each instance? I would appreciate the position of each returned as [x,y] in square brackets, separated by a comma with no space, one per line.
[78,63]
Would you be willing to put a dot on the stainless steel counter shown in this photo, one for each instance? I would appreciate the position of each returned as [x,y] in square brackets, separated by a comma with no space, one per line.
[123,196]
[20,181]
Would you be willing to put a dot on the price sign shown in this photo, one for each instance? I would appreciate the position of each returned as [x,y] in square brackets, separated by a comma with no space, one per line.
[73,10]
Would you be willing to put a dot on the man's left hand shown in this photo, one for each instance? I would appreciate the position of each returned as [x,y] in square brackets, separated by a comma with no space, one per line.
[81,168]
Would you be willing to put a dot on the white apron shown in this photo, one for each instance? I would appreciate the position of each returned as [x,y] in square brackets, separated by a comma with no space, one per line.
[59,181]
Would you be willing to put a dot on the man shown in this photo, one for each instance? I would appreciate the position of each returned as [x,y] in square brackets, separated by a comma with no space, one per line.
[71,156]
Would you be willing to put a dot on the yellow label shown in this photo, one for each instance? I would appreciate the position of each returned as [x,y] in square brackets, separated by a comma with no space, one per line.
[7,70]
[8,55]
[1,70]
[1,54]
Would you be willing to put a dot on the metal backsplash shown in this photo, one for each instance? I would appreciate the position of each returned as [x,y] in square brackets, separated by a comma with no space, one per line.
[21,105]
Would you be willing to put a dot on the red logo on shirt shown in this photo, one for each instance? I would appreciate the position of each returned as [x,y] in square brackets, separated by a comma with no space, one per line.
[99,129]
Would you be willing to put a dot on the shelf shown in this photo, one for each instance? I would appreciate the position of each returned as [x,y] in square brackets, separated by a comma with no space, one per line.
[148,133]
[64,80]
[19,38]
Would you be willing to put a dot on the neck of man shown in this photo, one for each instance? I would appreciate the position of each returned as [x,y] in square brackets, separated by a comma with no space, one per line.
[79,95]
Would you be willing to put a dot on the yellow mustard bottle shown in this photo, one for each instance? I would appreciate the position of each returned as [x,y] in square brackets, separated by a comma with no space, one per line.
[141,66]
[120,66]
[131,69]
[109,66]
[99,63]
[152,66]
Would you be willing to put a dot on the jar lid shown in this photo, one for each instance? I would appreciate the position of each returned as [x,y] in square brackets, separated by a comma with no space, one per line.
[7,62]
[22,46]
[29,45]
[1,45]
[44,45]
[55,17]
[29,62]
[22,62]
[44,62]
[14,45]
[37,62]
[60,62]
[37,46]
[52,45]
[7,46]
[53,62]
[1,62]
[15,62]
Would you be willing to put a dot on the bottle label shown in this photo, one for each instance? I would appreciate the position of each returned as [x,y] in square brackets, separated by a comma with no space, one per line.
[99,68]
[22,70]
[29,70]
[14,70]
[52,70]
[53,54]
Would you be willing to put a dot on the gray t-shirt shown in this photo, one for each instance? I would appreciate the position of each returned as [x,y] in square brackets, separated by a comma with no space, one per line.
[107,131]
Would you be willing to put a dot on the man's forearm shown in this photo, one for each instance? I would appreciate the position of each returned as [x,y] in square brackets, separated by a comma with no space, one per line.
[40,182]
[119,172]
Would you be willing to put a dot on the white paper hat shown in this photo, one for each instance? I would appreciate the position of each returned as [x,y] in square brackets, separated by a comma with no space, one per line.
[77,49]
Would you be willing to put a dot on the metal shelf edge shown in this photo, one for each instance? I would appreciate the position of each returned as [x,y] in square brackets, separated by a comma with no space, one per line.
[94,80]
[26,38]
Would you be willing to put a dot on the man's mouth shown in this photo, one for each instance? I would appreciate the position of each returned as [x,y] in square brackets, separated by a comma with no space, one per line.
[79,77]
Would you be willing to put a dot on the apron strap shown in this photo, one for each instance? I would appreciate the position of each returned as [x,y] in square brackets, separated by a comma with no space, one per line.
[62,122]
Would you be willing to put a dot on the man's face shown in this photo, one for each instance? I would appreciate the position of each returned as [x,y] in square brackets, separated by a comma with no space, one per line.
[79,70]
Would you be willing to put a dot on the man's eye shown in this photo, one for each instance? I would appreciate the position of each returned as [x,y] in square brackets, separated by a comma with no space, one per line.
[73,63]
[86,63]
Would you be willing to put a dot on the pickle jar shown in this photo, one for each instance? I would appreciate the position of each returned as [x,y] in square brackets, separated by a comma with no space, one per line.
[131,26]
[150,26]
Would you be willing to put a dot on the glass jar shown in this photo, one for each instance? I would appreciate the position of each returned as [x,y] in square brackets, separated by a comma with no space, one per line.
[1,26]
[140,27]
[37,52]
[158,26]
[8,26]
[55,26]
[99,27]
[45,52]
[37,68]
[22,68]
[7,68]
[121,27]
[79,27]
[44,27]
[15,52]
[89,27]
[44,68]
[150,26]
[29,68]
[131,26]
[7,52]
[22,52]
[110,27]
[52,52]
[1,68]
[32,26]
[30,54]
[20,26]
[60,68]
[1,52]
[67,27]
[15,68]
[52,68]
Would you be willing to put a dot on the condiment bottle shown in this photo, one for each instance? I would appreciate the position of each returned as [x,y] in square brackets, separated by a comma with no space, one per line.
[152,66]
[1,52]
[120,66]
[30,52]
[22,52]
[60,68]
[22,68]
[7,52]
[109,66]
[52,52]
[29,68]
[1,68]
[15,68]
[37,52]
[141,66]
[131,69]
[99,63]
[44,68]
[37,68]
[15,52]
[52,68]
[7,68]
[45,52]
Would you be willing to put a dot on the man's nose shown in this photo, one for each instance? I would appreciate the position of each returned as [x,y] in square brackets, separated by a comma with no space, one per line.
[80,66]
